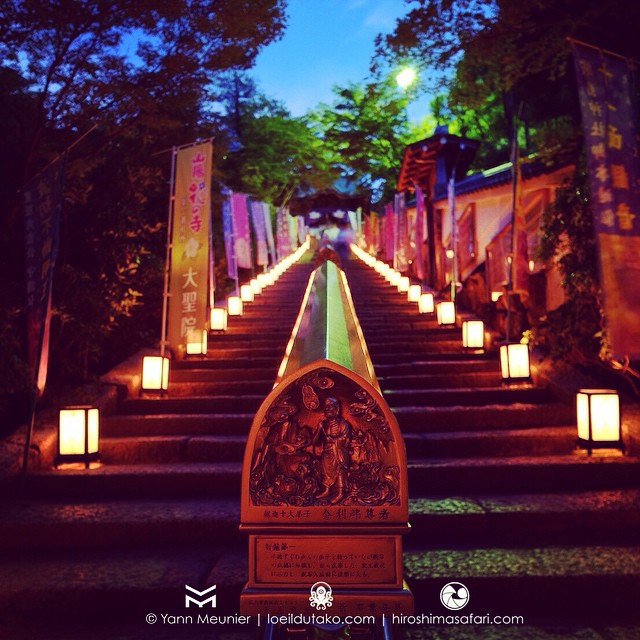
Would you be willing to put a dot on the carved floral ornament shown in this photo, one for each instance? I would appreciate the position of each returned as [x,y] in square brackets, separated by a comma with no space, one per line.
[324,440]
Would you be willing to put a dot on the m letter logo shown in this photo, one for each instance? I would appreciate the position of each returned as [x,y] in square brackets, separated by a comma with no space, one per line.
[201,600]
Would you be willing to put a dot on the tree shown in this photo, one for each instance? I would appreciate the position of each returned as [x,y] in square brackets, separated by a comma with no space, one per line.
[141,72]
[366,131]
[271,152]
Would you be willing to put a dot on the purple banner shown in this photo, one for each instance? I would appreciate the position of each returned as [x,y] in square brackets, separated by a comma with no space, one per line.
[241,230]
[257,218]
[612,161]
[283,238]
[227,230]
[42,208]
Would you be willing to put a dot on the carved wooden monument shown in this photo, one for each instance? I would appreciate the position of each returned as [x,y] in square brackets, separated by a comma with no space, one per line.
[324,480]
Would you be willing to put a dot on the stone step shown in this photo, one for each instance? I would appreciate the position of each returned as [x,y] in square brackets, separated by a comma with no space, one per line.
[118,426]
[467,396]
[249,363]
[448,364]
[441,476]
[589,584]
[478,380]
[230,448]
[573,472]
[192,404]
[206,375]
[569,518]
[172,449]
[220,387]
[500,443]
[422,419]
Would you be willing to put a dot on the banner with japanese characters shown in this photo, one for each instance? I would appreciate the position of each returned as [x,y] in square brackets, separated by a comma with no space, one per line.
[268,225]
[260,231]
[42,199]
[283,239]
[519,242]
[610,137]
[241,230]
[389,233]
[189,270]
[420,235]
[402,233]
[227,231]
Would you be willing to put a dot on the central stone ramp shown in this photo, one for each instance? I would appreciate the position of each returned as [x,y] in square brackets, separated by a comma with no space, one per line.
[324,480]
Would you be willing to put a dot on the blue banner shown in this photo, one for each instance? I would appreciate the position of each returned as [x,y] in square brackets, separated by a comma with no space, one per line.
[604,83]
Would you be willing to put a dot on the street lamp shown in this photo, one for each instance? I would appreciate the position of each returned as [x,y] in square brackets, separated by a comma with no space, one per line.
[406,77]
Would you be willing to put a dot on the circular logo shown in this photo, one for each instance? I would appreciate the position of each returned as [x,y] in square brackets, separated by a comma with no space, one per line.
[454,596]
[321,597]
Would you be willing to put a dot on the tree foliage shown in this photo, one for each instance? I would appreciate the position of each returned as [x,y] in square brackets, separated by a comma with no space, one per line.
[139,76]
[272,153]
[365,129]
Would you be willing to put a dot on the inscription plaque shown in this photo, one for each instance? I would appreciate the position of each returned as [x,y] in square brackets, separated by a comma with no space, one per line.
[303,560]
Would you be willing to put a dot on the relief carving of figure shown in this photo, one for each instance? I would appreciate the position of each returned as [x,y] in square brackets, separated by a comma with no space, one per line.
[310,455]
[333,440]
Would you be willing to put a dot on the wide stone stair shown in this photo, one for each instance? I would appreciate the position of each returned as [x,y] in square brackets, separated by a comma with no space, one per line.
[499,498]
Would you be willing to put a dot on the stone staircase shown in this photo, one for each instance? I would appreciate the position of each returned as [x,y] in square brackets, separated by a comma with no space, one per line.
[499,498]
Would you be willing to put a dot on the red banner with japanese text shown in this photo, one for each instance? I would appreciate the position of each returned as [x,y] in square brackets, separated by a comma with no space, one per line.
[189,269]
[389,233]
[420,236]
[402,239]
[604,85]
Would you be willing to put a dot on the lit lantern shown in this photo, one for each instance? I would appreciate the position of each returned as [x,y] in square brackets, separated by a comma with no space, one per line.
[473,334]
[234,306]
[514,363]
[246,293]
[495,296]
[425,304]
[403,284]
[262,280]
[598,415]
[155,373]
[218,319]
[269,278]
[413,295]
[78,435]
[197,343]
[255,287]
[446,313]
[395,278]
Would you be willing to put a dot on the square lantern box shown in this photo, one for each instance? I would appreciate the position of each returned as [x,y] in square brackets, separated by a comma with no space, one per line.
[514,363]
[414,293]
[255,287]
[403,284]
[446,313]
[246,293]
[598,417]
[155,374]
[234,306]
[473,335]
[395,278]
[196,343]
[78,435]
[426,303]
[218,319]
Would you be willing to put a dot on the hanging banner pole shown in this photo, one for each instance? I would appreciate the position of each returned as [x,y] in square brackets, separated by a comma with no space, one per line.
[167,261]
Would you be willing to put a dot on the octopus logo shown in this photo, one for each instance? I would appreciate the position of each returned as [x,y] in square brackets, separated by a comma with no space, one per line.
[454,596]
[321,597]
